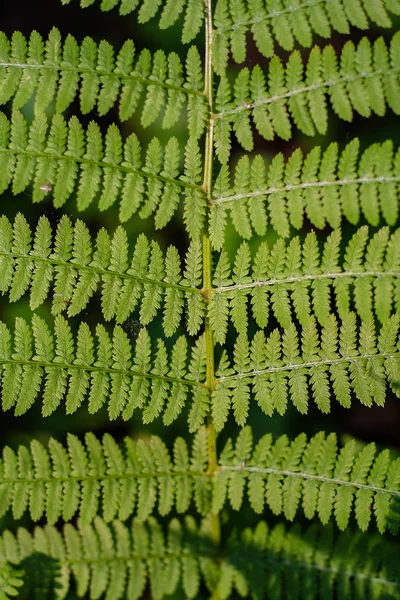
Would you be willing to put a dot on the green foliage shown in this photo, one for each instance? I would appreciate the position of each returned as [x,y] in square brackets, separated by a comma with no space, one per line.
[323,187]
[64,159]
[348,359]
[209,332]
[328,363]
[315,474]
[289,23]
[365,82]
[143,476]
[117,560]
[105,370]
[83,477]
[77,267]
[120,561]
[10,581]
[298,280]
[52,70]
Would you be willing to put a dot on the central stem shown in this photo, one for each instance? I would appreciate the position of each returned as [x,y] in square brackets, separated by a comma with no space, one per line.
[207,256]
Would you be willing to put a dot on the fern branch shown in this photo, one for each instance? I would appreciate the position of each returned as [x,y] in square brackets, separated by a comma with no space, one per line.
[307,476]
[289,23]
[53,70]
[300,279]
[313,474]
[171,11]
[86,479]
[117,559]
[332,362]
[326,187]
[109,373]
[121,560]
[367,81]
[295,562]
[66,159]
[78,266]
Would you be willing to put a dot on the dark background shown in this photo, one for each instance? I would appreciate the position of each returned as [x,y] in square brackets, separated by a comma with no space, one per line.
[381,425]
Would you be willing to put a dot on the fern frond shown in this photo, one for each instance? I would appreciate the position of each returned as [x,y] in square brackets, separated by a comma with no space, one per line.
[365,81]
[100,476]
[62,71]
[119,561]
[10,581]
[314,474]
[300,279]
[332,361]
[96,477]
[326,187]
[79,266]
[171,11]
[289,23]
[108,370]
[313,563]
[63,159]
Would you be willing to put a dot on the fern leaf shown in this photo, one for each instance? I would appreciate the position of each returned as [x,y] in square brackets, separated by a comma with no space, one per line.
[137,477]
[308,277]
[344,359]
[79,266]
[365,82]
[120,560]
[53,70]
[115,559]
[324,187]
[314,475]
[105,370]
[79,163]
[287,24]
